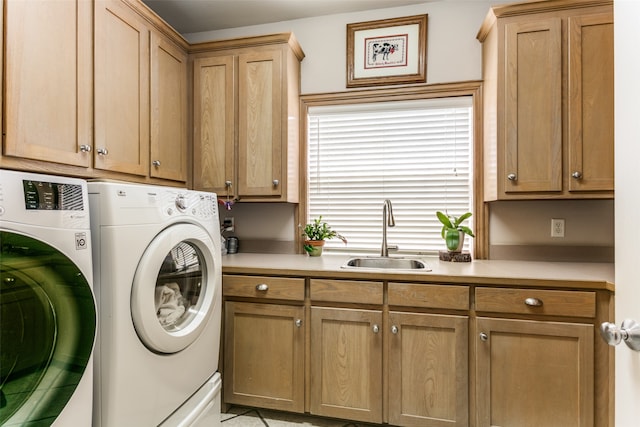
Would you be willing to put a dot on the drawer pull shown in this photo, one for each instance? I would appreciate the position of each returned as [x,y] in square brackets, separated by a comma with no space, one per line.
[298,322]
[533,302]
[263,287]
[394,329]
[484,337]
[376,329]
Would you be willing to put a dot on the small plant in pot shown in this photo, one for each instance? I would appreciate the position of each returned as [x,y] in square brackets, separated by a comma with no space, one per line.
[315,234]
[453,231]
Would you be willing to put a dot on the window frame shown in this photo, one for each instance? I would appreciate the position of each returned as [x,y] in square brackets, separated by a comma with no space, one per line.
[471,88]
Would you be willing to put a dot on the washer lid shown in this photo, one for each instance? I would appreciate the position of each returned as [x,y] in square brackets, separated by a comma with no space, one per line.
[174,288]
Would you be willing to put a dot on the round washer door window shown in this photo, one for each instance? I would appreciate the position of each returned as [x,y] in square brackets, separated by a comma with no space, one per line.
[174,288]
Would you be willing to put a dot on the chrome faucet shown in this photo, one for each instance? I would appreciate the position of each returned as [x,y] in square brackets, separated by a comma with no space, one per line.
[387,220]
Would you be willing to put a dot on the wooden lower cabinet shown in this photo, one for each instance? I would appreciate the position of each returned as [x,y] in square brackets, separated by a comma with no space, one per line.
[428,370]
[264,355]
[534,373]
[346,363]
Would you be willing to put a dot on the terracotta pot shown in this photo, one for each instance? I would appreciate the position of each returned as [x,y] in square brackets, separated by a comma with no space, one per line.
[314,247]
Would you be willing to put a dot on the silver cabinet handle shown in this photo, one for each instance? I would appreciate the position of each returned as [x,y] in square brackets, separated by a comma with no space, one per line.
[629,332]
[228,183]
[512,177]
[484,337]
[262,287]
[576,175]
[85,148]
[102,151]
[394,329]
[533,302]
[375,329]
[156,163]
[276,182]
[298,322]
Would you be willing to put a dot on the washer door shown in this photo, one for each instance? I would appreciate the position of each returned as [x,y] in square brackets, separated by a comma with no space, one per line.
[174,288]
[47,330]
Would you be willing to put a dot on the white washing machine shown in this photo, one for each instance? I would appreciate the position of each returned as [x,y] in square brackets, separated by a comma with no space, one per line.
[158,283]
[47,308]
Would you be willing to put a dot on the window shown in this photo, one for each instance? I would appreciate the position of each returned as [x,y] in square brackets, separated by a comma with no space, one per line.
[417,153]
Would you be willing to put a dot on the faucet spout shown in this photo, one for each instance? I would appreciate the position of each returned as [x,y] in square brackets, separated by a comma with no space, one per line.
[387,220]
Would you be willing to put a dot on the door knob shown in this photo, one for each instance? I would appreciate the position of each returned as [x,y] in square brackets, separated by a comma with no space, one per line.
[629,332]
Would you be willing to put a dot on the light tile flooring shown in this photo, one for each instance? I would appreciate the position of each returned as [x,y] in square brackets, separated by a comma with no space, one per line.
[238,416]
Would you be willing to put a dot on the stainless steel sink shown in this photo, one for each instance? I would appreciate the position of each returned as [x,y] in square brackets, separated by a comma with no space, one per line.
[386,263]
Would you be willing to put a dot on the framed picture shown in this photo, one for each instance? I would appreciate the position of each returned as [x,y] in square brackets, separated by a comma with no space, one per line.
[387,52]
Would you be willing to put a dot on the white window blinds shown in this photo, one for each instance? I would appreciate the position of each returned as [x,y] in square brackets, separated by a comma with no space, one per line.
[415,153]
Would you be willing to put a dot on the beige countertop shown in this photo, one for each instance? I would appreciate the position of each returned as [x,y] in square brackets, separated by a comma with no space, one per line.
[520,273]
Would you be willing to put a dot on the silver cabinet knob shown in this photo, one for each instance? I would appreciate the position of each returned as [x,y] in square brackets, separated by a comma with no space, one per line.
[85,148]
[298,322]
[228,183]
[484,337]
[102,151]
[262,287]
[533,302]
[394,329]
[375,329]
[629,332]
[512,177]
[276,182]
[156,163]
[576,175]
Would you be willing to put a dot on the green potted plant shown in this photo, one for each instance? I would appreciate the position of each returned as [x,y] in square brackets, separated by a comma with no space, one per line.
[453,231]
[315,234]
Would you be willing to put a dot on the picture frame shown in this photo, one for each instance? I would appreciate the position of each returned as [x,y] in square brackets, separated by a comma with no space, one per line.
[387,52]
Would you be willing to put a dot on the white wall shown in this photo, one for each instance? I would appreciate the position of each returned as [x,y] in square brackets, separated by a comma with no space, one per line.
[627,204]
[453,54]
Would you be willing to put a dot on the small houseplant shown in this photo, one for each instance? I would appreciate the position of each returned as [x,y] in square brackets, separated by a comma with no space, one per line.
[453,231]
[315,234]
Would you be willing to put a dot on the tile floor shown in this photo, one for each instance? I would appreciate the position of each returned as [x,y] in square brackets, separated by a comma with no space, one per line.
[237,416]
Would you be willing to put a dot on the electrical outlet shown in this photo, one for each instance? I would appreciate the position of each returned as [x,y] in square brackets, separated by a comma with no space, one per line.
[228,224]
[557,227]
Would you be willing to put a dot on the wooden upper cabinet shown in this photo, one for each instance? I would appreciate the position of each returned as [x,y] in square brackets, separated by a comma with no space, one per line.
[533,106]
[591,104]
[48,81]
[214,129]
[246,111]
[121,89]
[548,100]
[260,124]
[168,139]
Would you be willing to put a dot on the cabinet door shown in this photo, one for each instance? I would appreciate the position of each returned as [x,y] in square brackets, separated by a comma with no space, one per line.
[168,139]
[121,89]
[533,374]
[264,356]
[346,364]
[49,81]
[533,107]
[214,125]
[590,102]
[260,142]
[428,370]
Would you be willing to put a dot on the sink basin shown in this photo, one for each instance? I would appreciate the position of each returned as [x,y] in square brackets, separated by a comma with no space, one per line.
[386,263]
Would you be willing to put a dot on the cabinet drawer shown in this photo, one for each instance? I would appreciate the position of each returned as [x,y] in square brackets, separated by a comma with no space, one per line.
[283,288]
[536,301]
[352,291]
[429,296]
